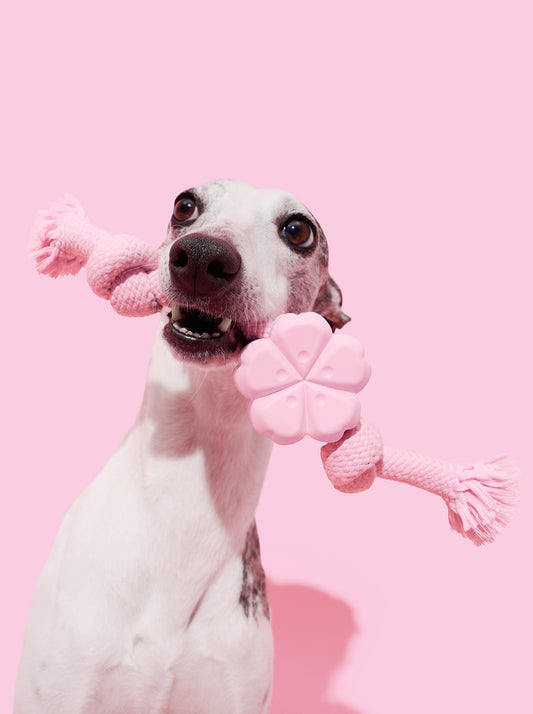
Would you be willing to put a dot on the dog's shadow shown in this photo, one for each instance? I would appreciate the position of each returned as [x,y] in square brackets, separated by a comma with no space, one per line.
[312,631]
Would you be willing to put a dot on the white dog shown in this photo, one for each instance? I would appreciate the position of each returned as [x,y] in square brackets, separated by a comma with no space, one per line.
[153,600]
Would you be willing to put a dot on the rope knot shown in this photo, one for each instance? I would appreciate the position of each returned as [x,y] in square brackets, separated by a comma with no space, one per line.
[351,462]
[123,269]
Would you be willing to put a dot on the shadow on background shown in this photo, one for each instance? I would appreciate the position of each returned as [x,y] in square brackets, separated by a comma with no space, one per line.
[312,631]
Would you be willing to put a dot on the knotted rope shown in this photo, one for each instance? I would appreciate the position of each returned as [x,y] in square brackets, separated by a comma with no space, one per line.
[480,497]
[120,268]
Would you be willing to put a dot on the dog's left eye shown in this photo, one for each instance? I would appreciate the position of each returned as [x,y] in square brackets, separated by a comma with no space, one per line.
[185,209]
[298,232]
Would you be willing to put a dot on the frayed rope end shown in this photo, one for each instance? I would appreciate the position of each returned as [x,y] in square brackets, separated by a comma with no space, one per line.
[484,499]
[49,246]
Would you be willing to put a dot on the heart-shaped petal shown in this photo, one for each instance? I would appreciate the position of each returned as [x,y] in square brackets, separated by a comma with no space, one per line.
[301,338]
[281,416]
[329,412]
[263,369]
[341,365]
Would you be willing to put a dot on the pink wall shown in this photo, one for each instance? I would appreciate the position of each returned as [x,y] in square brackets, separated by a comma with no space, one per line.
[406,128]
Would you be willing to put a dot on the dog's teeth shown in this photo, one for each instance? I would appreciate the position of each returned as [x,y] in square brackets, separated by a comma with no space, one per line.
[224,324]
[222,327]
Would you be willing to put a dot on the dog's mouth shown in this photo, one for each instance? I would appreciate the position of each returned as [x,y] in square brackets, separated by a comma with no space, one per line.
[196,325]
[200,336]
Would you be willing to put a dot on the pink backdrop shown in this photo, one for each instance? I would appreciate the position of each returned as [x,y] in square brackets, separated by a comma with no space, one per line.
[406,128]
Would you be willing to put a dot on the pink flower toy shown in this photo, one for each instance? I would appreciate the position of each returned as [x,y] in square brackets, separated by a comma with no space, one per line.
[302,379]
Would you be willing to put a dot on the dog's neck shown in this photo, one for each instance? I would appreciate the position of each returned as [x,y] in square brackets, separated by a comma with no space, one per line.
[201,457]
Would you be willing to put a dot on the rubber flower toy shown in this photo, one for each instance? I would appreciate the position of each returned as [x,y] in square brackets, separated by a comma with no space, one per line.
[303,379]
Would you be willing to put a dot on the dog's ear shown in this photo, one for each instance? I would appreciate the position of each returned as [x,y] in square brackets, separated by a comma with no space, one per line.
[328,304]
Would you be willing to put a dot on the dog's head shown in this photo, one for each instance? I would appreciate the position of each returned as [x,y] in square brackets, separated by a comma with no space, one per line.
[234,259]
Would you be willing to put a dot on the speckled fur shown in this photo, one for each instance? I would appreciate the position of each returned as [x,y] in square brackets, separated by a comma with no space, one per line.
[254,597]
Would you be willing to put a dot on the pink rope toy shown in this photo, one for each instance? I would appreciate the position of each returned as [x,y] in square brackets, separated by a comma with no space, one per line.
[122,269]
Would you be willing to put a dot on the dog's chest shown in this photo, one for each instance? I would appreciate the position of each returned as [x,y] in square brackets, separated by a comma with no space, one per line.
[219,660]
[153,600]
[163,618]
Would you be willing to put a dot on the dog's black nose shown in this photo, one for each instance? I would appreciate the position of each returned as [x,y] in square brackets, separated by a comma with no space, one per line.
[202,265]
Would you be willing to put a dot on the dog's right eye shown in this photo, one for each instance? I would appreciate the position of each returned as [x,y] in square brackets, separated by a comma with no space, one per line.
[298,231]
[185,209]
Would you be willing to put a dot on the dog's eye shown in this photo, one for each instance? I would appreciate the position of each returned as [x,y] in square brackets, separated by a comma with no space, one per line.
[298,232]
[185,209]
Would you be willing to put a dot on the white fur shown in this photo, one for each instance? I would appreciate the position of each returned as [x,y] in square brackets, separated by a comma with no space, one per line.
[137,609]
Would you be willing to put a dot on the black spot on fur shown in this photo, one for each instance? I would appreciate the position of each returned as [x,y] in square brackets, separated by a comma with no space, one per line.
[253,597]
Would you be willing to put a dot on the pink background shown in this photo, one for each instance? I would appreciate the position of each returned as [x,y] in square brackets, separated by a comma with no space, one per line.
[406,127]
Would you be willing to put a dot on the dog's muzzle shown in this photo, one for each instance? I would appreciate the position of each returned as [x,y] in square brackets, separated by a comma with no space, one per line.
[205,276]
